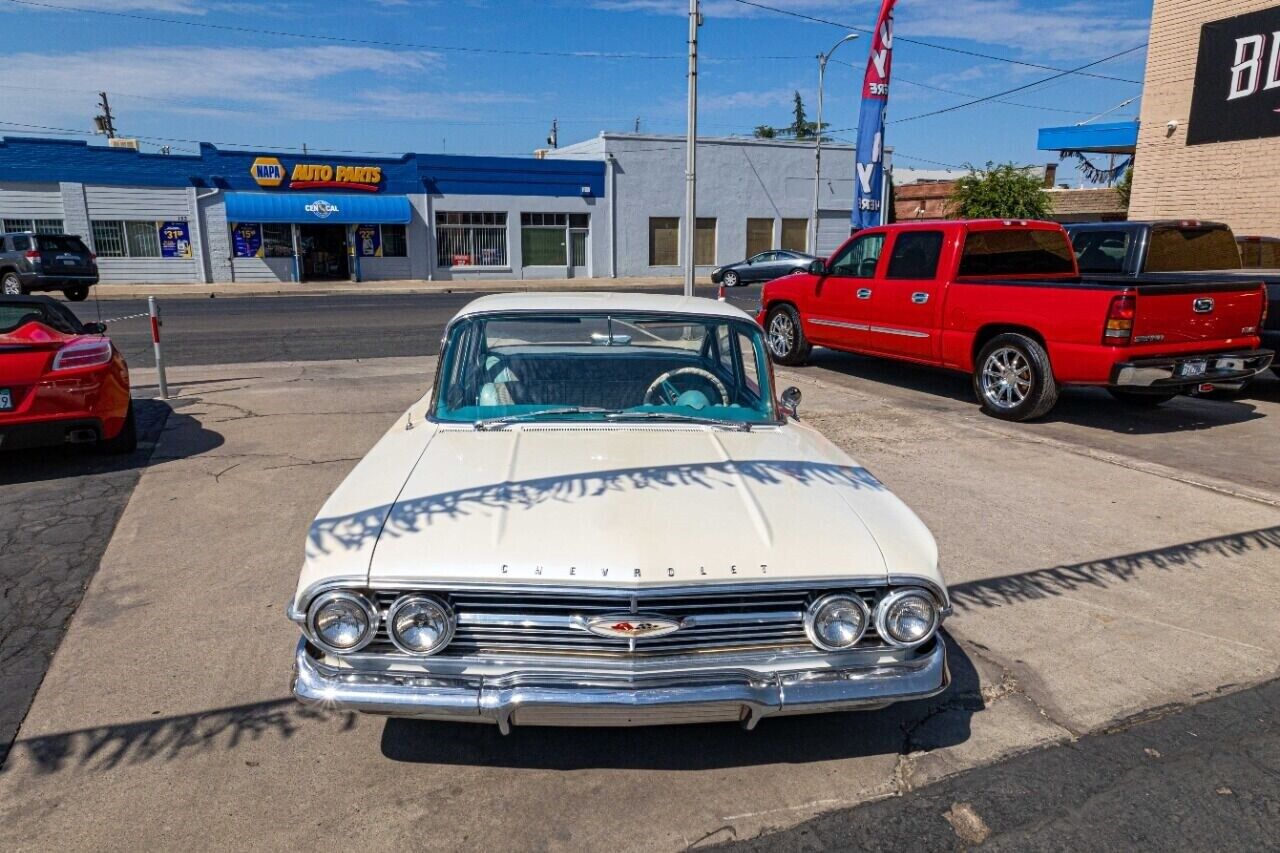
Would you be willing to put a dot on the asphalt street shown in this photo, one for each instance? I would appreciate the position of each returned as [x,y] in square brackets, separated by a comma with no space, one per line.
[1202,778]
[234,330]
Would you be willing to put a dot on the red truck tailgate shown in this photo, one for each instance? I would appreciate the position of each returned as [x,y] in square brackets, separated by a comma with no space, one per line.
[1192,314]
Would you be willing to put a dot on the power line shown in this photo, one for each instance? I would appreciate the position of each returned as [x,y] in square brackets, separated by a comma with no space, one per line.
[493,51]
[997,95]
[921,43]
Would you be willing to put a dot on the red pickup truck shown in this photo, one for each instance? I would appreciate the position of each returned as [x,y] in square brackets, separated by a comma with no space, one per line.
[1004,302]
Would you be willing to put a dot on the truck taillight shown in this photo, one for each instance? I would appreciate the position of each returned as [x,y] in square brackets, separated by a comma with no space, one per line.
[1119,328]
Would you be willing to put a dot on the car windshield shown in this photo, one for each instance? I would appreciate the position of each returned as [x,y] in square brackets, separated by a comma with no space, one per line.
[606,367]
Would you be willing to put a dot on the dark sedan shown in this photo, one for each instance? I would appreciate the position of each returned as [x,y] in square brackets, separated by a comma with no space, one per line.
[765,266]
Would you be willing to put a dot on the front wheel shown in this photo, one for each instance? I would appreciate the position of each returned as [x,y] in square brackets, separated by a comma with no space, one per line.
[1013,379]
[11,285]
[1141,401]
[798,271]
[731,279]
[77,294]
[787,343]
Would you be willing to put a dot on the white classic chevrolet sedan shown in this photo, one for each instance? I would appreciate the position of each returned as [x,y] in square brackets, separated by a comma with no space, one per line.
[602,514]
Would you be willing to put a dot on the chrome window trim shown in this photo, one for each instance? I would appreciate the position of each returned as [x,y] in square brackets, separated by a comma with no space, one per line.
[430,416]
[371,614]
[818,604]
[404,600]
[882,612]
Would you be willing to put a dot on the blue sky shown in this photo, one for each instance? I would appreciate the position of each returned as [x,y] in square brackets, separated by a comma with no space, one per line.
[417,91]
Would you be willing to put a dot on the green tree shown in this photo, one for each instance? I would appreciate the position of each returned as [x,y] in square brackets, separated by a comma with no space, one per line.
[764,131]
[801,127]
[1125,186]
[1000,192]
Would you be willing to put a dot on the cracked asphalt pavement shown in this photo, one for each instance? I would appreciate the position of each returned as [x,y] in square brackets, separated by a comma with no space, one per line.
[58,508]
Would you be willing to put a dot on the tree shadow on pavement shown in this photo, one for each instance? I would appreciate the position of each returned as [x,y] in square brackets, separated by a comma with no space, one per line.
[1100,574]
[782,740]
[1087,407]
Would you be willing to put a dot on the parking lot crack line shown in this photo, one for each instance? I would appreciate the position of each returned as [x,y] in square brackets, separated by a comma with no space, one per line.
[1171,626]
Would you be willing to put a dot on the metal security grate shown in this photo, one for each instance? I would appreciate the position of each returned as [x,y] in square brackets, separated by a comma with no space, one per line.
[506,623]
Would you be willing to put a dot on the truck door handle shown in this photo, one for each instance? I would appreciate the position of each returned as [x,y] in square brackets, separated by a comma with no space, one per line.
[919,297]
[864,293]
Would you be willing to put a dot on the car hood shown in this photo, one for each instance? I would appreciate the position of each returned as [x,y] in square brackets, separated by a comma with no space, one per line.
[639,505]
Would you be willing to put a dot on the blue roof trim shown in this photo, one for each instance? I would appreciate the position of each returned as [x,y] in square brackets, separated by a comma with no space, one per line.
[24,159]
[329,209]
[1120,137]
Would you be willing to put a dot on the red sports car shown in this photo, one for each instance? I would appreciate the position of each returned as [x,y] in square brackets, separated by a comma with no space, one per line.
[61,381]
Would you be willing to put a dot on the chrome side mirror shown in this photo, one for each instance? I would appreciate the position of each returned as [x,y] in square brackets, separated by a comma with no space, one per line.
[791,402]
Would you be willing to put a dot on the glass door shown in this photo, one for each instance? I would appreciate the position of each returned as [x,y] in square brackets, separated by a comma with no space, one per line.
[577,252]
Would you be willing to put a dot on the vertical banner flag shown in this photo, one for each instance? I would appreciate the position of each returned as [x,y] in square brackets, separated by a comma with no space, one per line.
[869,186]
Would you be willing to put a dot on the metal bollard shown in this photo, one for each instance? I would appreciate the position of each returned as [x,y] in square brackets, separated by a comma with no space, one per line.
[154,311]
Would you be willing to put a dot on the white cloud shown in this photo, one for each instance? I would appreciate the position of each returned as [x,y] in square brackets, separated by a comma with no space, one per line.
[287,83]
[181,7]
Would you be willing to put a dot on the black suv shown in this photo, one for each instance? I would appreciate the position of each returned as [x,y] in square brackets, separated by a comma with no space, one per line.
[30,262]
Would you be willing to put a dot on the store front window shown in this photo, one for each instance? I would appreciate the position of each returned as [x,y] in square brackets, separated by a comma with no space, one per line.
[471,239]
[553,239]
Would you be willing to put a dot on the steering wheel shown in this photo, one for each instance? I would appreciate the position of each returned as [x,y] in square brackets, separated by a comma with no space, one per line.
[668,394]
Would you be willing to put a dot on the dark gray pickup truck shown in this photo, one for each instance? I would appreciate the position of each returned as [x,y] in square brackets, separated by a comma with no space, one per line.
[1172,248]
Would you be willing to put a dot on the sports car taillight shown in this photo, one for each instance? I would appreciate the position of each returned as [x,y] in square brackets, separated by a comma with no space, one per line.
[83,354]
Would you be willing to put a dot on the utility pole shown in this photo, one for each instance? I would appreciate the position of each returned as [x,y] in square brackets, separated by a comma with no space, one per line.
[554,139]
[691,153]
[105,122]
[817,145]
[637,124]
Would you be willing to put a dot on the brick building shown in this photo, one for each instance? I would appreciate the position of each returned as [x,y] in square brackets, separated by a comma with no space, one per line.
[1219,158]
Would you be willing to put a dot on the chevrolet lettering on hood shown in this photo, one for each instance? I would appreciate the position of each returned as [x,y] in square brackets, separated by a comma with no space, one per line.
[603,514]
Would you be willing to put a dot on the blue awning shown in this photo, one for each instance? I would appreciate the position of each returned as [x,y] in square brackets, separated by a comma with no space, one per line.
[333,208]
[1119,137]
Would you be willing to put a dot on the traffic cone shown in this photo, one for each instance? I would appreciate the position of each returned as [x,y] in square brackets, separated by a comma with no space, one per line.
[720,294]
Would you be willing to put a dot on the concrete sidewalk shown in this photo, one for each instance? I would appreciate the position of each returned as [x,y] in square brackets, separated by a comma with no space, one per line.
[168,291]
[1085,592]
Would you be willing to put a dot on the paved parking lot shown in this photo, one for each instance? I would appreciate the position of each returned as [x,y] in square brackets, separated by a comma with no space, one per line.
[1099,571]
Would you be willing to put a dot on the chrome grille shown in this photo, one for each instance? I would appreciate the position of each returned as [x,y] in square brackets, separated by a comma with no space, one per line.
[549,623]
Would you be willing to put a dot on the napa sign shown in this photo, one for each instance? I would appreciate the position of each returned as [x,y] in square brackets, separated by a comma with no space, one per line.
[270,172]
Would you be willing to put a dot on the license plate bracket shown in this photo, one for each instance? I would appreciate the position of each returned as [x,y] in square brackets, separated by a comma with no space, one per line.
[1195,367]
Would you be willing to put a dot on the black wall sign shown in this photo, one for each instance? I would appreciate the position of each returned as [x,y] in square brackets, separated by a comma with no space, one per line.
[1237,85]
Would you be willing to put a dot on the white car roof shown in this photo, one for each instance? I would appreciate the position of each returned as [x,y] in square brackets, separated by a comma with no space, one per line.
[581,303]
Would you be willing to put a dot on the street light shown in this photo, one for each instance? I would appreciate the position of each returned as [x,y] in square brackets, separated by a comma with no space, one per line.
[817,147]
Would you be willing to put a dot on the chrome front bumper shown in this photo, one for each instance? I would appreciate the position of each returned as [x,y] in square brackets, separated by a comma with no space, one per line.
[617,699]
[1168,374]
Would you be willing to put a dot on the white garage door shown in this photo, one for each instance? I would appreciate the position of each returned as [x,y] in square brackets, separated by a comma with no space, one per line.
[833,229]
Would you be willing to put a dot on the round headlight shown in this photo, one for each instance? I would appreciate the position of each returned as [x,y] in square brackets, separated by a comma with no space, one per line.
[342,622]
[836,622]
[420,624]
[907,617]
